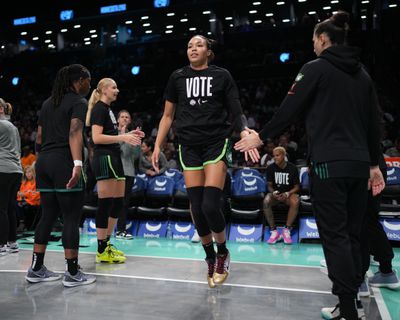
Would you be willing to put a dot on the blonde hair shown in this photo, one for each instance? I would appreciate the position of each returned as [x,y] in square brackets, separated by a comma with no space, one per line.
[280,149]
[96,95]
[32,168]
[7,107]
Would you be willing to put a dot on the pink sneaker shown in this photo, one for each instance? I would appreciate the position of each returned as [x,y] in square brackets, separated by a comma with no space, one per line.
[275,236]
[286,236]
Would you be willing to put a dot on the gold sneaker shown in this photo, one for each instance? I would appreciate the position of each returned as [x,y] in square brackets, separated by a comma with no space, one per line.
[210,273]
[222,268]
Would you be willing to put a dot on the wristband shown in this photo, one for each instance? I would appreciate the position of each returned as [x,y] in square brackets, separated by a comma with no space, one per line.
[78,163]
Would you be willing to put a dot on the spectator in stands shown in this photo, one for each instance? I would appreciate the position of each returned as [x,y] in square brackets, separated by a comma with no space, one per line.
[59,144]
[283,186]
[283,141]
[339,102]
[10,178]
[28,158]
[145,165]
[129,154]
[395,150]
[171,162]
[202,96]
[28,198]
[107,166]
[268,157]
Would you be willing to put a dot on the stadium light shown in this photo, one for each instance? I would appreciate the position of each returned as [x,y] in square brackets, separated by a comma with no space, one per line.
[135,70]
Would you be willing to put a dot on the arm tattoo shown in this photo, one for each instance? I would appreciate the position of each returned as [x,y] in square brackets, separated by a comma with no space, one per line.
[76,126]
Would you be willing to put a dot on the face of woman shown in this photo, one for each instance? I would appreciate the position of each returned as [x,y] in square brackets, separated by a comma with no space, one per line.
[124,119]
[145,148]
[279,157]
[84,86]
[110,91]
[29,174]
[197,51]
[321,42]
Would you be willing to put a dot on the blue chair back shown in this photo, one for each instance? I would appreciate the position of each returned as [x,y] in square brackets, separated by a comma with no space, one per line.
[247,172]
[140,184]
[393,176]
[248,185]
[175,174]
[180,186]
[160,186]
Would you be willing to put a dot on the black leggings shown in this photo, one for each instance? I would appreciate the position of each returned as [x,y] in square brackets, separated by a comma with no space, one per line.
[9,185]
[124,213]
[69,204]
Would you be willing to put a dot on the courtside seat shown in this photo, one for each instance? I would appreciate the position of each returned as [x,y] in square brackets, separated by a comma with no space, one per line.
[247,197]
[180,207]
[247,172]
[159,194]
[138,192]
[174,174]
[390,205]
[305,201]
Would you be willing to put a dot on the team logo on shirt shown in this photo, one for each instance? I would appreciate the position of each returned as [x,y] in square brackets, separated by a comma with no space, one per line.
[112,117]
[299,77]
[197,89]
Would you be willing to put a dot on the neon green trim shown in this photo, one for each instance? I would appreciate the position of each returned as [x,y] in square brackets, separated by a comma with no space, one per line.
[112,169]
[220,156]
[183,165]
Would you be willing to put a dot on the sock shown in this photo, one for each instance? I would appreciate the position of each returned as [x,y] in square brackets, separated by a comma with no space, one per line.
[72,265]
[221,248]
[289,227]
[101,245]
[210,252]
[348,307]
[37,260]
[272,228]
[108,239]
[385,266]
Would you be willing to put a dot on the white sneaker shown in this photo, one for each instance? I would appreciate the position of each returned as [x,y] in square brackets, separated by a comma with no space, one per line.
[334,312]
[123,235]
[12,246]
[3,250]
[196,237]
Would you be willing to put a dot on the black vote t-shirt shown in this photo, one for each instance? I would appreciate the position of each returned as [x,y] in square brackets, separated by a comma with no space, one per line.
[102,115]
[202,113]
[56,121]
[284,179]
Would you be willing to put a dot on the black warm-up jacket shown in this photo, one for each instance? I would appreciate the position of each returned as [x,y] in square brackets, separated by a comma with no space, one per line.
[336,96]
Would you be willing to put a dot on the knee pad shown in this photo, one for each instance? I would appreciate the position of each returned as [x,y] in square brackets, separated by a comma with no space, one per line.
[211,207]
[195,195]
[103,212]
[118,204]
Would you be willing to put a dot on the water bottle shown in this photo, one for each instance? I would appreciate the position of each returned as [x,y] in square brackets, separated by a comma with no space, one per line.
[169,231]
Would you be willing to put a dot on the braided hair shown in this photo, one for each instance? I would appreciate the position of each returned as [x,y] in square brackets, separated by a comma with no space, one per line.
[65,78]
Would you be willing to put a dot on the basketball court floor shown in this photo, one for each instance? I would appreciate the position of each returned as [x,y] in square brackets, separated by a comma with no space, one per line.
[166,279]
